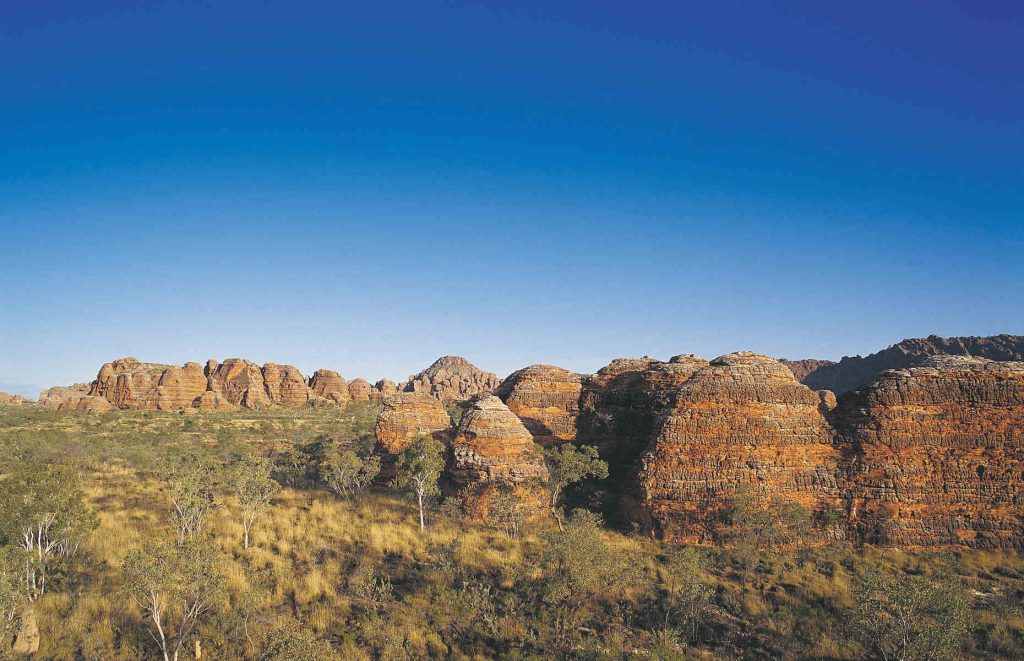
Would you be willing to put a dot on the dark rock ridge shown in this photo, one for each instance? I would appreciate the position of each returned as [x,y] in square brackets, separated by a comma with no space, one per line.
[853,372]
[801,368]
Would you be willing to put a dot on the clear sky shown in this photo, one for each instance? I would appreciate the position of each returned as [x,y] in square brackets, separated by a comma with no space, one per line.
[368,186]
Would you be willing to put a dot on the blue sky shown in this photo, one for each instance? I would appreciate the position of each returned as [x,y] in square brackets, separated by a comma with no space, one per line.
[366,188]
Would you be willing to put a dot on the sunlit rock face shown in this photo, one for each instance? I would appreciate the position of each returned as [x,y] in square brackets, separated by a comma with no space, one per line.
[491,444]
[741,422]
[546,398]
[937,454]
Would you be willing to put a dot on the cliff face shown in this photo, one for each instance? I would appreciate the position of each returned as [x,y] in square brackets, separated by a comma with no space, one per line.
[741,422]
[452,378]
[546,398]
[853,372]
[802,368]
[937,454]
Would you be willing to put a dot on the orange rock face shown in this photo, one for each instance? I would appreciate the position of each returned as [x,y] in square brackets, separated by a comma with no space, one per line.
[405,415]
[180,387]
[937,454]
[492,445]
[128,383]
[359,390]
[285,385]
[452,378]
[742,421]
[239,382]
[329,385]
[7,399]
[546,398]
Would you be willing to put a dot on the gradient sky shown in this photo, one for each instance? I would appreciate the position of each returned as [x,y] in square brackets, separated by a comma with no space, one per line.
[368,187]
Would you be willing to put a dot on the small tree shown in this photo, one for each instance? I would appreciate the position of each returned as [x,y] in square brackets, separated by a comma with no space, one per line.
[505,510]
[175,586]
[46,515]
[12,596]
[752,527]
[568,464]
[254,489]
[291,642]
[348,474]
[189,481]
[419,468]
[579,567]
[909,618]
[688,596]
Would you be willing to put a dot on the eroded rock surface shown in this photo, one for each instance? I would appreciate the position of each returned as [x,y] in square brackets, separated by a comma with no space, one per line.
[492,445]
[937,454]
[547,399]
[407,414]
[741,422]
[452,378]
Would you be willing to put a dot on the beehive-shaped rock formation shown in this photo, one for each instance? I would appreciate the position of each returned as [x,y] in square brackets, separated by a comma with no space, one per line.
[745,422]
[546,398]
[492,445]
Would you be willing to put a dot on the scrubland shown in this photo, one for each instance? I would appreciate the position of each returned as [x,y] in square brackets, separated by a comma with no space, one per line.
[330,577]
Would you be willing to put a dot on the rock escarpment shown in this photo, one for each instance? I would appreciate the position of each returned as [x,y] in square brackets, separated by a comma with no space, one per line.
[546,398]
[852,372]
[452,378]
[937,454]
[492,445]
[743,422]
[329,385]
[407,414]
[801,368]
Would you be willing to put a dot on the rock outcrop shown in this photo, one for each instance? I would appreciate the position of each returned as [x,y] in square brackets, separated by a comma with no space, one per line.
[547,399]
[7,399]
[285,385]
[128,383]
[180,387]
[74,398]
[492,445]
[936,454]
[452,378]
[239,382]
[329,385]
[853,372]
[360,390]
[741,422]
[407,414]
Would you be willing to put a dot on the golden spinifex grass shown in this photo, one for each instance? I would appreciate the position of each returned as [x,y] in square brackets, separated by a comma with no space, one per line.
[329,577]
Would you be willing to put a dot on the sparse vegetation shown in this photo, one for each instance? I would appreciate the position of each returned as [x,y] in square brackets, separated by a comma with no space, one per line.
[331,578]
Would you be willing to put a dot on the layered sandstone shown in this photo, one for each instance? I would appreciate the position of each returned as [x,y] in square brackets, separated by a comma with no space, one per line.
[492,445]
[743,422]
[240,383]
[452,378]
[407,414]
[547,400]
[852,372]
[128,383]
[180,387]
[284,384]
[937,454]
[329,385]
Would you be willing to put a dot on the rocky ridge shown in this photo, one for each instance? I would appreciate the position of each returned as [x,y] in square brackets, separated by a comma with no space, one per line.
[452,378]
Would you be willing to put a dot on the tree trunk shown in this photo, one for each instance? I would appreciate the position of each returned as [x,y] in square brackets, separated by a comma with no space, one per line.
[419,495]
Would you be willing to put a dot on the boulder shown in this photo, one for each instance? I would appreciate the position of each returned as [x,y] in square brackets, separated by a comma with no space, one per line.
[492,445]
[547,400]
